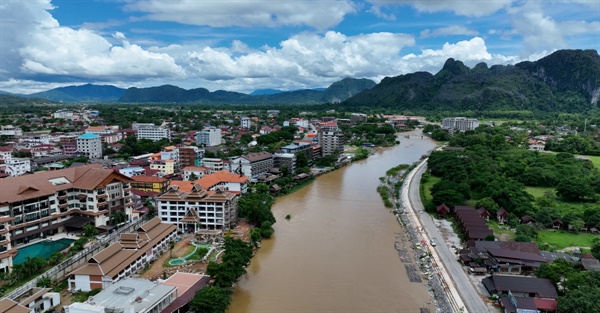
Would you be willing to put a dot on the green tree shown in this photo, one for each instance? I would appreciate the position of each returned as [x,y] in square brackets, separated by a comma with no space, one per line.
[211,299]
[193,177]
[117,217]
[596,249]
[576,189]
[90,231]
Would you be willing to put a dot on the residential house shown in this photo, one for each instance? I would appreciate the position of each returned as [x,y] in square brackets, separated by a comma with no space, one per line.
[131,254]
[558,224]
[472,225]
[527,219]
[214,164]
[165,167]
[35,300]
[132,171]
[540,291]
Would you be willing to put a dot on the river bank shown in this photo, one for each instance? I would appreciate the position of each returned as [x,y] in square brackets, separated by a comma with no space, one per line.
[337,252]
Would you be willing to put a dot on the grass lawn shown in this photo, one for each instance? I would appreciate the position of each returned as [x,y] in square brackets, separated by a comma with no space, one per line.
[501,231]
[538,192]
[561,239]
[595,160]
[432,180]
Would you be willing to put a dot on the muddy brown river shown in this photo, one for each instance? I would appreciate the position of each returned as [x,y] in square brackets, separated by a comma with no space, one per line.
[336,253]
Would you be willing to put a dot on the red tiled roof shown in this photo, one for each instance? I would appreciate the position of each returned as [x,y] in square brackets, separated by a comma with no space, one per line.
[546,304]
[148,179]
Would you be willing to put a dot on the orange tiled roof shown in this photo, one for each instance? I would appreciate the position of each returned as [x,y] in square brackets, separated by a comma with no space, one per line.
[185,186]
[222,176]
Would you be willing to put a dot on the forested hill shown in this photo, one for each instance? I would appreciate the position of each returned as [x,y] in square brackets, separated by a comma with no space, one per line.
[565,81]
[338,91]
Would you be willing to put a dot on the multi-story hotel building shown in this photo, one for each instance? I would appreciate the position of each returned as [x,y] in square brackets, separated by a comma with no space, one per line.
[45,203]
[331,141]
[6,251]
[252,164]
[153,132]
[197,208]
[89,145]
[209,137]
[461,124]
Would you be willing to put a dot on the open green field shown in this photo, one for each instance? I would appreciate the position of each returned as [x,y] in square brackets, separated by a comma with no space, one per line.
[538,192]
[595,160]
[560,239]
[432,180]
[501,231]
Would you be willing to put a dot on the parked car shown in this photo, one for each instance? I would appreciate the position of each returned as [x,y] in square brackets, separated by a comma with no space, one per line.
[432,243]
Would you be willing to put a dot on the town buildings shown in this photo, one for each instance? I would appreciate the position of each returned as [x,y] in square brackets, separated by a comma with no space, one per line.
[152,184]
[245,122]
[165,167]
[214,164]
[331,140]
[89,145]
[461,124]
[125,257]
[34,301]
[190,156]
[209,137]
[6,251]
[252,164]
[197,171]
[225,180]
[151,131]
[46,203]
[129,295]
[196,208]
[17,166]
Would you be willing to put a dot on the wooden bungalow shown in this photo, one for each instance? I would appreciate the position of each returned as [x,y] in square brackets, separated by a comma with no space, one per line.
[502,216]
[443,210]
[558,224]
[527,219]
[484,213]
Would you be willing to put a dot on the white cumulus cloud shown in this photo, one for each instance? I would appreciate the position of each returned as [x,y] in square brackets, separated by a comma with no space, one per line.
[316,14]
[34,45]
[475,8]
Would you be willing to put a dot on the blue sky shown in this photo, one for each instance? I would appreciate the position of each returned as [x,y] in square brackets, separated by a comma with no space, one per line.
[244,45]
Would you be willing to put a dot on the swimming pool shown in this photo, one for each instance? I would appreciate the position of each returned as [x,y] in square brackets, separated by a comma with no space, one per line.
[42,249]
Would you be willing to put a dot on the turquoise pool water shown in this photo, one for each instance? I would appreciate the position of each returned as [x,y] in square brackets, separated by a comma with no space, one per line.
[42,249]
[180,261]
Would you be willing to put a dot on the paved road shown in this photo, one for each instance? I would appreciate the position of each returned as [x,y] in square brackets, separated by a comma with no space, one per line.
[465,289]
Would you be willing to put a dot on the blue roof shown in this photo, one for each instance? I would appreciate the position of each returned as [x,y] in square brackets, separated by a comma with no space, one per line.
[88,136]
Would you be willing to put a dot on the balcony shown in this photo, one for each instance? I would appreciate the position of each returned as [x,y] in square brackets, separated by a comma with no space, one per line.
[102,196]
[63,206]
[63,197]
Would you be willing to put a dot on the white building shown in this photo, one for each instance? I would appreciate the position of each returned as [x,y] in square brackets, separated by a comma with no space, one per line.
[461,124]
[198,171]
[63,114]
[133,171]
[6,152]
[11,132]
[89,145]
[198,209]
[17,166]
[214,164]
[34,301]
[252,164]
[136,126]
[153,132]
[209,137]
[245,122]
[129,295]
[302,123]
[331,141]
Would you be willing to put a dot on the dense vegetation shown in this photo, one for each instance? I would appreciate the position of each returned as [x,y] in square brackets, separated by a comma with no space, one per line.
[494,170]
[233,264]
[565,81]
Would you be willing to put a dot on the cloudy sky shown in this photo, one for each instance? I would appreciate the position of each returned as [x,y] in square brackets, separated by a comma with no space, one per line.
[244,45]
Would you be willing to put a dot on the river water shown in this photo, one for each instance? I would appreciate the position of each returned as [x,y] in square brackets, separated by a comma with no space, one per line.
[336,253]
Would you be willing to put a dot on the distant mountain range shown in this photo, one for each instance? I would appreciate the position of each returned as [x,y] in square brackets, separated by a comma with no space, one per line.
[565,81]
[338,91]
